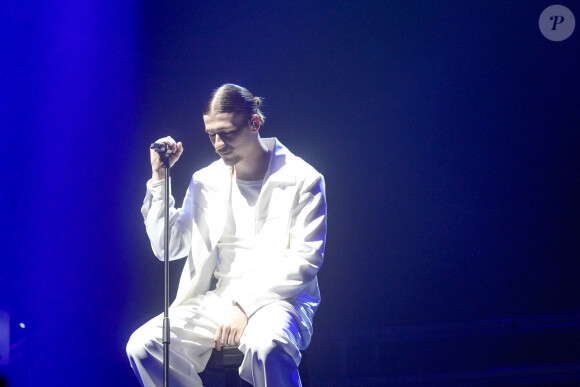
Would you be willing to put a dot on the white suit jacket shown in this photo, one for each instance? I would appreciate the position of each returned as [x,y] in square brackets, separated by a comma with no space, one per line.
[290,232]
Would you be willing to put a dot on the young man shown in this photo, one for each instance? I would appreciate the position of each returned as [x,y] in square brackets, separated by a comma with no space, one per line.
[255,221]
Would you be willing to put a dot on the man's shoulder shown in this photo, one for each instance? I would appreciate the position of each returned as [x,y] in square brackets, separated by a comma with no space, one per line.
[209,173]
[295,163]
[300,168]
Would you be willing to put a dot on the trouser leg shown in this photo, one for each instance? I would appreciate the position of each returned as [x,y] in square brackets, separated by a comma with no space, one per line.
[191,340]
[271,344]
[145,351]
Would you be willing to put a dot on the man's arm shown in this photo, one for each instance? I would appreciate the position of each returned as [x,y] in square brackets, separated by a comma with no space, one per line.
[153,209]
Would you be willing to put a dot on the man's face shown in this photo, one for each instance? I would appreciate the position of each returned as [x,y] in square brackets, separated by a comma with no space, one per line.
[230,135]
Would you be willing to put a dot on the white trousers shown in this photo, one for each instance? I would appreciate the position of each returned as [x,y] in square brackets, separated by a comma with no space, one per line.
[271,344]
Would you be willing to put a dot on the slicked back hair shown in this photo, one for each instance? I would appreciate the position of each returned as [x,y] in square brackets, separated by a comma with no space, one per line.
[230,98]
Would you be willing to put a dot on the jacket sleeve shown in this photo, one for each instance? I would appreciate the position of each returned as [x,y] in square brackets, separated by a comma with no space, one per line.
[180,221]
[290,273]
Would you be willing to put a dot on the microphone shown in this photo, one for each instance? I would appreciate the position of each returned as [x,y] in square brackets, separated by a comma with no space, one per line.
[161,148]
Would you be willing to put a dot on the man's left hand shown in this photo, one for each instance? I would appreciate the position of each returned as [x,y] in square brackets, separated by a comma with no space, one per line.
[230,332]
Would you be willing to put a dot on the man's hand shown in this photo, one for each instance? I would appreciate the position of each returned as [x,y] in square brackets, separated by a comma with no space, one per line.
[157,164]
[230,332]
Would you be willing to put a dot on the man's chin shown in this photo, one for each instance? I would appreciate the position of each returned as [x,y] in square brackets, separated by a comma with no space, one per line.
[230,161]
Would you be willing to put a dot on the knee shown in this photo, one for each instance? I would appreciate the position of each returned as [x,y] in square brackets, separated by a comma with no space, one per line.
[142,343]
[266,349]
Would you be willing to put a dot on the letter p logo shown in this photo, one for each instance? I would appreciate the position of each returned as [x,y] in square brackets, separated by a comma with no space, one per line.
[557,23]
[557,20]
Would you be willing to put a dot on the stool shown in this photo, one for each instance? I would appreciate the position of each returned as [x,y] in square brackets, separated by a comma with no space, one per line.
[222,369]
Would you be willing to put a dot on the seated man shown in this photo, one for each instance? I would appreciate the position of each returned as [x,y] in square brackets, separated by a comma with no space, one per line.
[256,221]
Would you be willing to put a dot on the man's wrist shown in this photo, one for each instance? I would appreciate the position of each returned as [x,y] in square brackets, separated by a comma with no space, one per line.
[158,175]
[239,307]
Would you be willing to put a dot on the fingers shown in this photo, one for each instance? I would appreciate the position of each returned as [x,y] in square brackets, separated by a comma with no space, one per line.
[177,150]
[230,332]
[217,338]
[226,336]
[223,337]
[238,337]
[167,140]
[176,147]
[156,162]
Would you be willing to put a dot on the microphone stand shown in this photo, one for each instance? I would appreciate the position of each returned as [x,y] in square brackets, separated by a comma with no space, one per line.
[166,326]
[164,152]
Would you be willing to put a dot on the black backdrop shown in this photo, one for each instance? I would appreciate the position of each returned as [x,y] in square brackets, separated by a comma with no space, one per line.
[448,134]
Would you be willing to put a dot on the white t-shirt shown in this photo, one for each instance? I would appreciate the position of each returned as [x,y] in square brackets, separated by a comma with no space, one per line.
[237,245]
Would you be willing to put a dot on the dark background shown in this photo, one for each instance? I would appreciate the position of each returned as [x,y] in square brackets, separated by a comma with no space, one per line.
[448,133]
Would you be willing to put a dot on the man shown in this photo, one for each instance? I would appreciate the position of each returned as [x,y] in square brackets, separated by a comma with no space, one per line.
[255,221]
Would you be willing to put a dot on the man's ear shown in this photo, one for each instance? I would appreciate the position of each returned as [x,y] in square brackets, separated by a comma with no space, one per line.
[255,123]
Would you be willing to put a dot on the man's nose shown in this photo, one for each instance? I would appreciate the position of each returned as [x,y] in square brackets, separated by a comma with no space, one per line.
[218,142]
